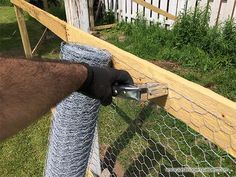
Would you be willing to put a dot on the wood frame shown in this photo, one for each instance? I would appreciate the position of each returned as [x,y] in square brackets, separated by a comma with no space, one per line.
[205,111]
[23,32]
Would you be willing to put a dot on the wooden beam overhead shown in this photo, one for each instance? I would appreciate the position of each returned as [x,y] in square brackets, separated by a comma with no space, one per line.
[205,111]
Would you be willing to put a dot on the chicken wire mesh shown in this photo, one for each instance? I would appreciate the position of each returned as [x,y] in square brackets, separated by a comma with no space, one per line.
[137,139]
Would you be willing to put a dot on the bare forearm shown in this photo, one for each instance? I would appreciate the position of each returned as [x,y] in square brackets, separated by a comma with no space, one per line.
[28,89]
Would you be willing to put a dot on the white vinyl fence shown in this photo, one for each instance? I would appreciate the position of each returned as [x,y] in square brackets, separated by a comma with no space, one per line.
[127,10]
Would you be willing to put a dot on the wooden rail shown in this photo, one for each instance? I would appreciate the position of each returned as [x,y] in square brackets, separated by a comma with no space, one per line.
[23,32]
[155,9]
[208,113]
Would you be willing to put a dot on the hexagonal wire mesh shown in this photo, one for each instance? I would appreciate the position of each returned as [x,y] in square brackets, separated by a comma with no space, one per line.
[137,139]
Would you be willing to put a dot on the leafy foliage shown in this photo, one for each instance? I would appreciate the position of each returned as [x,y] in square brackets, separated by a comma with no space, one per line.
[191,42]
[5,3]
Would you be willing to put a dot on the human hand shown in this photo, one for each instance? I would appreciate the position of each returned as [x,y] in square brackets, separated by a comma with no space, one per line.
[99,82]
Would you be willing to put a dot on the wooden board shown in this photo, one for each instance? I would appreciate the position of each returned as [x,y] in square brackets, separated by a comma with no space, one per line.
[191,5]
[226,11]
[23,32]
[128,13]
[172,9]
[77,14]
[233,11]
[155,15]
[214,6]
[155,9]
[163,6]
[102,27]
[206,112]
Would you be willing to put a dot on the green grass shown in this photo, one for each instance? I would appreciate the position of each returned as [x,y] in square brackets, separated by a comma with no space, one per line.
[24,154]
[10,40]
[5,3]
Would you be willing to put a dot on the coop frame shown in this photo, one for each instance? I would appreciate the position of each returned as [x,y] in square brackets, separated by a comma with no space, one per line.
[193,96]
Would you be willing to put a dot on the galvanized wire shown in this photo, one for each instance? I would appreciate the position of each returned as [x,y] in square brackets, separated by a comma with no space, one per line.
[74,122]
[140,139]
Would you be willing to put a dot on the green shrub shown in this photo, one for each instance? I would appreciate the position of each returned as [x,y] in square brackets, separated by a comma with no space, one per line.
[192,42]
[5,3]
[217,42]
[191,28]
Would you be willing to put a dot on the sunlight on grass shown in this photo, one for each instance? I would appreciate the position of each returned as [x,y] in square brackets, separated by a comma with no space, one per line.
[24,154]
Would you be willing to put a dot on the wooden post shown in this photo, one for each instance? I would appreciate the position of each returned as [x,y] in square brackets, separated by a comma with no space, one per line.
[23,32]
[77,14]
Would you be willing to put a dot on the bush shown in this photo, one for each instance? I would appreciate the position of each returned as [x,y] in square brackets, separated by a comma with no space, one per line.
[191,28]
[217,42]
[191,42]
[5,3]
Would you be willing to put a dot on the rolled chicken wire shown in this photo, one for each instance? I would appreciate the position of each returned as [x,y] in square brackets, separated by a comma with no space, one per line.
[74,123]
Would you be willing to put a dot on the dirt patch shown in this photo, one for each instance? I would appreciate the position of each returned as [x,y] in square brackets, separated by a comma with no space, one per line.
[168,65]
[210,85]
[172,66]
[121,38]
[118,169]
[176,68]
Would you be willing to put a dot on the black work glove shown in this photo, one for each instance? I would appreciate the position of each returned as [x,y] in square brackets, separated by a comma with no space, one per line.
[99,82]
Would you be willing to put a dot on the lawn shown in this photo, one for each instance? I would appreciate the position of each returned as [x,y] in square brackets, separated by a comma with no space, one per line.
[137,135]
[24,154]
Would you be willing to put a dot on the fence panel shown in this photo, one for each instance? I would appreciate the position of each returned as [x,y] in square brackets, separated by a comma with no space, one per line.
[181,6]
[191,4]
[226,11]
[128,10]
[202,3]
[154,14]
[172,9]
[234,12]
[141,10]
[147,11]
[163,6]
[214,6]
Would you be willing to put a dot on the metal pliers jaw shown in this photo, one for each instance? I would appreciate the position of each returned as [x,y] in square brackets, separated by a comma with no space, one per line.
[140,92]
